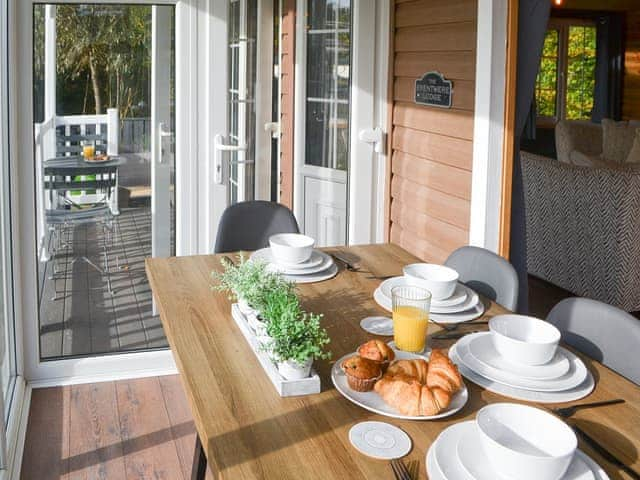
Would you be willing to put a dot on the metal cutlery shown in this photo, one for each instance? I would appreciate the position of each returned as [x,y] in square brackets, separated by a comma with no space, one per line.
[566,412]
[452,335]
[454,326]
[346,263]
[400,470]
[606,454]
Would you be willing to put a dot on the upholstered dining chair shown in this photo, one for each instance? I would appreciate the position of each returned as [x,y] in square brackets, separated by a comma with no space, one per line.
[248,225]
[487,273]
[601,331]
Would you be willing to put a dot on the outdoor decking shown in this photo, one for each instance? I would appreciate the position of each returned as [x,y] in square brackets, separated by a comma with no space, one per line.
[85,318]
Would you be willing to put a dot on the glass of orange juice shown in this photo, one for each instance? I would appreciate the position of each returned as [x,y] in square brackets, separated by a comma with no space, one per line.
[88,150]
[410,317]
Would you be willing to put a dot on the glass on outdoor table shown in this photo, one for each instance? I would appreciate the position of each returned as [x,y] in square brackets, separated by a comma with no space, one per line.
[410,317]
[88,149]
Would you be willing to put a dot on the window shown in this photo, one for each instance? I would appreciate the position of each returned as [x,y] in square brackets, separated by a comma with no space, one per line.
[566,80]
[328,83]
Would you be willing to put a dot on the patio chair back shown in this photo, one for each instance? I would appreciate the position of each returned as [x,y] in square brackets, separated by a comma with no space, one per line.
[486,273]
[248,225]
[601,331]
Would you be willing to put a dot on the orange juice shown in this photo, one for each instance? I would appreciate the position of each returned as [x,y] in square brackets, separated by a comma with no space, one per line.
[410,328]
[88,151]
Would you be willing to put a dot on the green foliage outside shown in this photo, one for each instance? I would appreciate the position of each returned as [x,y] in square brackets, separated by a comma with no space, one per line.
[581,66]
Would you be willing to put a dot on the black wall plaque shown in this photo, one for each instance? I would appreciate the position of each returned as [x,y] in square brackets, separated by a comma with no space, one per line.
[434,90]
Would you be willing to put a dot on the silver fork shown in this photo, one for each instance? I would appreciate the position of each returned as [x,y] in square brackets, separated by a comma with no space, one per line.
[449,327]
[400,470]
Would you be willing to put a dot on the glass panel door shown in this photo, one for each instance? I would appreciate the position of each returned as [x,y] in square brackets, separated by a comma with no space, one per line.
[104,113]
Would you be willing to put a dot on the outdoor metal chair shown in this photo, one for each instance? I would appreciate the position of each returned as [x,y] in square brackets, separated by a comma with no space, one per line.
[248,225]
[601,331]
[487,273]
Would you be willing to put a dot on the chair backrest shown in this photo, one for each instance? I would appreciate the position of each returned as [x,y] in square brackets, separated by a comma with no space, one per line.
[601,331]
[248,225]
[487,273]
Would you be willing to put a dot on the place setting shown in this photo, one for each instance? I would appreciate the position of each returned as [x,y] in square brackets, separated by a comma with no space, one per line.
[451,301]
[293,255]
[520,357]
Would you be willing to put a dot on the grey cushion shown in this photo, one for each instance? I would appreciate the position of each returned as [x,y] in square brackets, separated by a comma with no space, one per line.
[487,273]
[604,333]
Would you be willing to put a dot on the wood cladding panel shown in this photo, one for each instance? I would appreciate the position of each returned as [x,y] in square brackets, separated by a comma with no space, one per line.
[631,93]
[287,100]
[432,148]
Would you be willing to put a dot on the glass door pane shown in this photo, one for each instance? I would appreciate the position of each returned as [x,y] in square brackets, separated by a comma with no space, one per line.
[104,108]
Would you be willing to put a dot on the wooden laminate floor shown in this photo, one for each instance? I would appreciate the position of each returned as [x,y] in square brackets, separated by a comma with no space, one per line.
[131,429]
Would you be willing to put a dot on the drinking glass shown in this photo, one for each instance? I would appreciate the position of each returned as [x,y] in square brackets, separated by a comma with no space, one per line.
[410,317]
[88,150]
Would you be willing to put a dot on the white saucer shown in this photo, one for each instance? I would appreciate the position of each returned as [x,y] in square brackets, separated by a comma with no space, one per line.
[481,347]
[459,297]
[572,378]
[377,325]
[477,466]
[318,262]
[581,391]
[314,277]
[380,440]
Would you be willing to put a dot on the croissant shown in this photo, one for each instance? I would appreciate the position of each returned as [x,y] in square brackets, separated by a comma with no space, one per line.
[409,397]
[416,368]
[443,373]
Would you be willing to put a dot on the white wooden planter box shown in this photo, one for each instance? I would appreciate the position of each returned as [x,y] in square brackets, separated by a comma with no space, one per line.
[285,388]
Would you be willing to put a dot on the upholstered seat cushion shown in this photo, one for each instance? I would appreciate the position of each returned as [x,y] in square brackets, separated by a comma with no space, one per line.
[617,139]
[634,154]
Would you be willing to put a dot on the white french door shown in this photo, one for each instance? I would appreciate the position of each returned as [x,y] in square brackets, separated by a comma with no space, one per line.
[335,131]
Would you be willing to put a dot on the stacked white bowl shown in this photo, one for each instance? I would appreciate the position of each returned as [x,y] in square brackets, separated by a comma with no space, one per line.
[525,340]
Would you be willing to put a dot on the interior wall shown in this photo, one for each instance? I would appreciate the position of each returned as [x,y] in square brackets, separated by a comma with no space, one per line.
[432,148]
[631,82]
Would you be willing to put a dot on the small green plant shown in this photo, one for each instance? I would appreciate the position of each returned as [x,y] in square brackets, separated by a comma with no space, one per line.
[298,336]
[275,302]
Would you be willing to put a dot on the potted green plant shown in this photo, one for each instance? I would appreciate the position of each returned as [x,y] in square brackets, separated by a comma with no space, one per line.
[297,340]
[279,298]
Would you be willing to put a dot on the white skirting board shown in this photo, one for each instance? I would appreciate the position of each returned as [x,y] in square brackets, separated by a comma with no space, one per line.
[285,388]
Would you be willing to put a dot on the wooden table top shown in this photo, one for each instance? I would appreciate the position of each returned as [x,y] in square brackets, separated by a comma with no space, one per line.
[248,431]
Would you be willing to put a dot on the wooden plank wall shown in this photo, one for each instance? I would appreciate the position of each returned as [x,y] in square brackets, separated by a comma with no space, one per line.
[631,94]
[432,148]
[287,101]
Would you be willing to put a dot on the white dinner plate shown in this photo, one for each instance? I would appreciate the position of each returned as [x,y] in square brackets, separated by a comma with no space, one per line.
[576,393]
[445,456]
[481,347]
[460,295]
[460,317]
[318,262]
[473,460]
[433,471]
[373,402]
[314,277]
[380,440]
[575,375]
[377,325]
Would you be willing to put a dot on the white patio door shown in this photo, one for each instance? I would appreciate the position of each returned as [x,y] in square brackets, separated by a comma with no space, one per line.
[334,143]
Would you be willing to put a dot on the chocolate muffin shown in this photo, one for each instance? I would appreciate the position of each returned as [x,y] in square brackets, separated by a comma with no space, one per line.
[362,373]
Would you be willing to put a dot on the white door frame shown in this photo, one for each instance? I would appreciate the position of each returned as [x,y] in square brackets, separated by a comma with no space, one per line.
[190,108]
[365,178]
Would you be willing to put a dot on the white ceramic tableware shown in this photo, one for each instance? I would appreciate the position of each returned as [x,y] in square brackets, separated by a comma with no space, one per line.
[380,440]
[481,347]
[377,325]
[327,274]
[373,402]
[523,339]
[441,281]
[316,259]
[291,247]
[464,297]
[445,451]
[525,442]
[581,391]
[433,471]
[576,374]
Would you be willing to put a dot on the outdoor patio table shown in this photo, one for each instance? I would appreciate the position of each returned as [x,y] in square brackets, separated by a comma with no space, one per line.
[245,430]
[76,165]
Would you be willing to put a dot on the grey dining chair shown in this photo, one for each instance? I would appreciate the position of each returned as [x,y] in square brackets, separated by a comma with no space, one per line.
[602,332]
[248,225]
[486,273]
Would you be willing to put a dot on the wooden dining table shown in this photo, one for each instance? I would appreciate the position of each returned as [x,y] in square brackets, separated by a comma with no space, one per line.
[246,430]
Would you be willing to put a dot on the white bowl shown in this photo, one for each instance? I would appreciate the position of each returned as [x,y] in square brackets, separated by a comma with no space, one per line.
[439,280]
[524,442]
[524,340]
[291,248]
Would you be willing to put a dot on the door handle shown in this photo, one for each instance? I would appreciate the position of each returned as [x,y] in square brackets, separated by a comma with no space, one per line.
[220,149]
[162,133]
[374,136]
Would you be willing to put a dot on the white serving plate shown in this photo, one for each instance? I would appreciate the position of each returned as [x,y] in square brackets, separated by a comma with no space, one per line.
[445,461]
[314,277]
[482,348]
[576,374]
[462,298]
[460,317]
[373,402]
[318,262]
[576,393]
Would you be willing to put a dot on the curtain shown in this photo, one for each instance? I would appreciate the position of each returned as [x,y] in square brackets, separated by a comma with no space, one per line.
[533,18]
[609,67]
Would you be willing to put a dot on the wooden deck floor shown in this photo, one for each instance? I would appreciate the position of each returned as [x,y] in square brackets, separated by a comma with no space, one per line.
[85,318]
[132,429]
